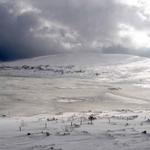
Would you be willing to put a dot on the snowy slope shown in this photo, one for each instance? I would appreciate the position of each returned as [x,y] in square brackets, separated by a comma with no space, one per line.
[81,59]
[104,67]
[76,86]
[114,130]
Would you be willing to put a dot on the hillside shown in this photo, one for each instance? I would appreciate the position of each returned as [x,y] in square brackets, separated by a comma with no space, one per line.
[105,67]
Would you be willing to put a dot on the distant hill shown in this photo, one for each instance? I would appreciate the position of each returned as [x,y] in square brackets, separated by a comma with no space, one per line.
[104,67]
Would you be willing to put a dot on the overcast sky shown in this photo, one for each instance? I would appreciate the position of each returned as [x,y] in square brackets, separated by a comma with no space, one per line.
[39,27]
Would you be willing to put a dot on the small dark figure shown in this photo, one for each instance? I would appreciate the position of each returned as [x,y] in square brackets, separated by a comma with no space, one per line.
[28,134]
[47,134]
[4,116]
[91,118]
[20,129]
[144,132]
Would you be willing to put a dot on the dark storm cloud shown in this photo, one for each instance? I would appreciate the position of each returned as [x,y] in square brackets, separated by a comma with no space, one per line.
[34,27]
[17,37]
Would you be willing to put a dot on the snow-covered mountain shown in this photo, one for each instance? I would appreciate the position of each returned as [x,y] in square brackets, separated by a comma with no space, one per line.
[105,67]
[77,59]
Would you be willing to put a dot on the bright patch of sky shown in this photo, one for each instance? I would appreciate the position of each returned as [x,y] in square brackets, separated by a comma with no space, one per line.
[138,39]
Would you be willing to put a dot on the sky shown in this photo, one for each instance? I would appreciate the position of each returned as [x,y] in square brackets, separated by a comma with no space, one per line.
[30,28]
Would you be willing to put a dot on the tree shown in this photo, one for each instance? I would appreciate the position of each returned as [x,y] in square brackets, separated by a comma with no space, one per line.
[91,118]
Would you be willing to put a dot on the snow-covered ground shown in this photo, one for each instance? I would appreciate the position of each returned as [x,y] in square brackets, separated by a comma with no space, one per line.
[45,103]
[112,130]
[104,67]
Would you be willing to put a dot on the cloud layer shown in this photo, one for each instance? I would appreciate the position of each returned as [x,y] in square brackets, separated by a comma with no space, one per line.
[33,27]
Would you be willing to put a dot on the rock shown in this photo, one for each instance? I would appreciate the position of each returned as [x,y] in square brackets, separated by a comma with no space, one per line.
[144,132]
[28,134]
[47,134]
